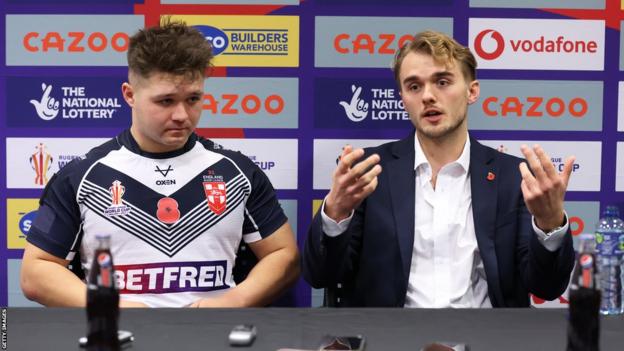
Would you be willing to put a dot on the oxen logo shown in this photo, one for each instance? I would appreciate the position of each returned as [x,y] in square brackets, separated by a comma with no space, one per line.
[492,54]
[41,161]
[216,196]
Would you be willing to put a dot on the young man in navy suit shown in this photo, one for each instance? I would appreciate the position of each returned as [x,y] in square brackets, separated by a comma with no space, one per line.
[437,219]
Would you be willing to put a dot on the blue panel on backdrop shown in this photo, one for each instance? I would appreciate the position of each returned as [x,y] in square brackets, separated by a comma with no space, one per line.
[387,2]
[358,103]
[52,102]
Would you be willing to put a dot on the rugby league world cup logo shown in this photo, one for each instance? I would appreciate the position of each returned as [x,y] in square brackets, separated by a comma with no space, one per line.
[41,161]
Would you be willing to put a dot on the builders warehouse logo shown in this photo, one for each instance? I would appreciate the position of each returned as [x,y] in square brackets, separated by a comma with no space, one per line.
[538,43]
[250,41]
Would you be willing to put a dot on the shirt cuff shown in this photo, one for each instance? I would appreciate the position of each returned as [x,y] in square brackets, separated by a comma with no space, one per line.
[553,240]
[332,228]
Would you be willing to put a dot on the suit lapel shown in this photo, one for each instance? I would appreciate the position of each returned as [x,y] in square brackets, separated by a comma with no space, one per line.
[484,190]
[400,173]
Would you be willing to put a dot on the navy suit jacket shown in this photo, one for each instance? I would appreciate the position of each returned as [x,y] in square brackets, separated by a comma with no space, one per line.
[372,259]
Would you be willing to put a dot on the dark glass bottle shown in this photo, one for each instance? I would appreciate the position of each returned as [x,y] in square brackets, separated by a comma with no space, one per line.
[102,300]
[584,298]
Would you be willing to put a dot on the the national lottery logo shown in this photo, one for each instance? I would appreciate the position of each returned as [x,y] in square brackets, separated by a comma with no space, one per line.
[356,109]
[75,103]
[47,107]
[117,208]
[41,161]
[216,196]
[384,105]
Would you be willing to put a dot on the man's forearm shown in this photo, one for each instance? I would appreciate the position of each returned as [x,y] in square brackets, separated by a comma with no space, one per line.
[52,285]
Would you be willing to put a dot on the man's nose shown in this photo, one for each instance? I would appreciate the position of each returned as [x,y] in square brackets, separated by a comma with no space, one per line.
[179,112]
[428,95]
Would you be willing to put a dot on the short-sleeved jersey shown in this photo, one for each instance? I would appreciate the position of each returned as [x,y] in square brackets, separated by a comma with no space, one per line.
[175,219]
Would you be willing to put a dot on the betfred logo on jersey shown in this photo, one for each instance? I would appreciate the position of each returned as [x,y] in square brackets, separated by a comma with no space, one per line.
[171,277]
[250,102]
[587,166]
[69,40]
[367,41]
[538,105]
[250,41]
[553,44]
[358,103]
[66,102]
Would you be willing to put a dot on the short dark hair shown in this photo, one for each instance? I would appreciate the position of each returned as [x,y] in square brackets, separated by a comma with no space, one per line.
[173,47]
[442,48]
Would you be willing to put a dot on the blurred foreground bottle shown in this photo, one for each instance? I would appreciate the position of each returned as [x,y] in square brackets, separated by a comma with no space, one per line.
[584,298]
[610,248]
[102,300]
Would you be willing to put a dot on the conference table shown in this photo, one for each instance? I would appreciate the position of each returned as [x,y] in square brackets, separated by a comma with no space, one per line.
[384,329]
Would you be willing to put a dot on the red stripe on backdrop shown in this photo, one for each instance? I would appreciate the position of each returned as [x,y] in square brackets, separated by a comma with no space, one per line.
[152,9]
[612,14]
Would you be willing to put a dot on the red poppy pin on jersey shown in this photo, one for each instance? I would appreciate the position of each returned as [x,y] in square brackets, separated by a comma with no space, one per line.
[491,176]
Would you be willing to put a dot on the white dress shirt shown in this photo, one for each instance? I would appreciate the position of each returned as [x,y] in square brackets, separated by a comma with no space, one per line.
[446,267]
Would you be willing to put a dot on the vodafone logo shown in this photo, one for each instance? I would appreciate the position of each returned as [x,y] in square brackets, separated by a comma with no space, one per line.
[522,43]
[495,38]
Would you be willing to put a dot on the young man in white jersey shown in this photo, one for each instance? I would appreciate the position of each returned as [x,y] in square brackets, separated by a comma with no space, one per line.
[176,206]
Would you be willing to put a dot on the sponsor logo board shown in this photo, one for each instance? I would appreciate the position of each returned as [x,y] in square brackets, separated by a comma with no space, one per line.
[326,152]
[368,41]
[540,4]
[69,40]
[586,171]
[620,126]
[357,103]
[538,105]
[31,162]
[21,213]
[550,44]
[66,102]
[276,157]
[619,177]
[250,41]
[290,210]
[250,103]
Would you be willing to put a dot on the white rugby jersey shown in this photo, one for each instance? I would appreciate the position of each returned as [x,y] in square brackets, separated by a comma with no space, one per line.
[176,219]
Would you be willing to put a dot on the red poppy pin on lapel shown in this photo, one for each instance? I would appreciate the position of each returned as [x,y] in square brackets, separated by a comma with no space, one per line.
[491,176]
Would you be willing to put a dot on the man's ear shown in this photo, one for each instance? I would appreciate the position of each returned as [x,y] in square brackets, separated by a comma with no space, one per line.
[128,93]
[473,92]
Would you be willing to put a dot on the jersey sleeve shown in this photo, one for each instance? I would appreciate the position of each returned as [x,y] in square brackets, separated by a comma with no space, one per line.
[57,225]
[263,213]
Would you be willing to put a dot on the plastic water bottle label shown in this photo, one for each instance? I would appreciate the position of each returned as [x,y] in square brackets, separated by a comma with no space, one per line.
[609,244]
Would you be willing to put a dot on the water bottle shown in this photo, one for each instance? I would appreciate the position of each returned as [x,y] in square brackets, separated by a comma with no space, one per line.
[584,299]
[102,300]
[610,247]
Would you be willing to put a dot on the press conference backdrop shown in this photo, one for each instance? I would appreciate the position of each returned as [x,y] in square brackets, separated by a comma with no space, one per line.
[287,80]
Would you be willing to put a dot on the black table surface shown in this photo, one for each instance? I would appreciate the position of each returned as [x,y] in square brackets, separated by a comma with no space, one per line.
[384,329]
